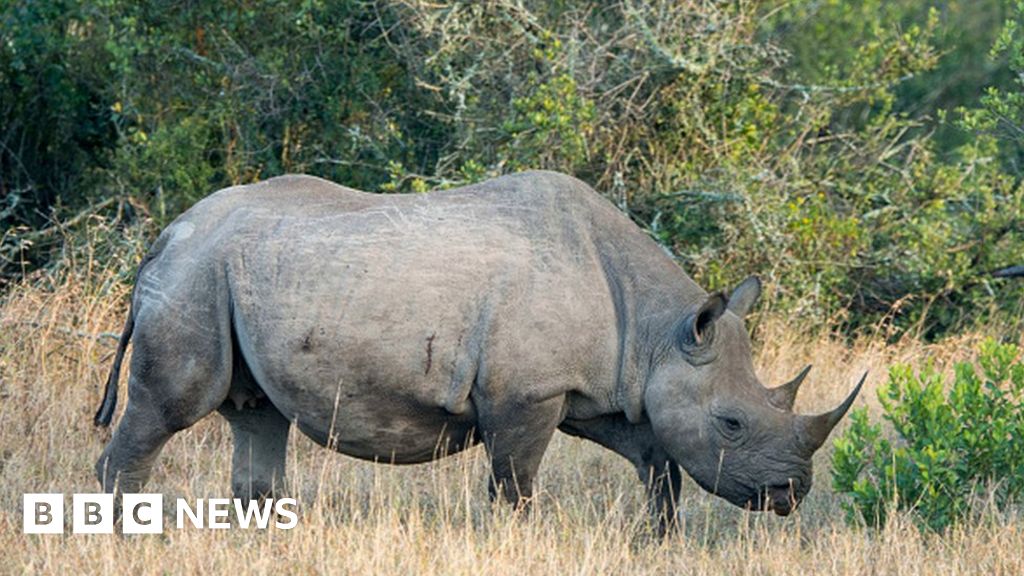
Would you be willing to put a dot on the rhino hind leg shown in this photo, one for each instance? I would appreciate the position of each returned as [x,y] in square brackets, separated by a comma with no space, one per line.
[150,419]
[260,434]
[177,377]
[127,460]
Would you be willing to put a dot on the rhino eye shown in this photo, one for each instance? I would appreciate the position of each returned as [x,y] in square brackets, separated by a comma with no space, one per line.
[731,424]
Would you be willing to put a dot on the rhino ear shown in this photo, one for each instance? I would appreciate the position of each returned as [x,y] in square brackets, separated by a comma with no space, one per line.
[698,328]
[744,296]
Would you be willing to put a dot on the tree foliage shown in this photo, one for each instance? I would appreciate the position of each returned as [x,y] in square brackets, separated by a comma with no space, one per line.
[835,148]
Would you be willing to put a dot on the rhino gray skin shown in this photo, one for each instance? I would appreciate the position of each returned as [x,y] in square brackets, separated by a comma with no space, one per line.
[400,328]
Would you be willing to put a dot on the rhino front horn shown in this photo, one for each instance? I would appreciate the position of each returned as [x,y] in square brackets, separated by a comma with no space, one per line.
[814,430]
[783,397]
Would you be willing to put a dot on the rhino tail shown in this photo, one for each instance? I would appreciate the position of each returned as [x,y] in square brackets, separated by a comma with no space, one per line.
[105,413]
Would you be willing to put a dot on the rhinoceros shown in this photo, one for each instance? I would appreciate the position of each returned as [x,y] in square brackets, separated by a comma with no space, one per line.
[401,328]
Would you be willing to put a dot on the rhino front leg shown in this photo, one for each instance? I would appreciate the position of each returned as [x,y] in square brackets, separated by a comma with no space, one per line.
[516,440]
[664,480]
[261,440]
[636,442]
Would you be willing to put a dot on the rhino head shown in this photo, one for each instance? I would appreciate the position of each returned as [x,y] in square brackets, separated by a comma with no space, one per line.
[734,436]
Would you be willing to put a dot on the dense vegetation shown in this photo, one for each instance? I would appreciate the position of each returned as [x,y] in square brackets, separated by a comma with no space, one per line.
[864,157]
[953,449]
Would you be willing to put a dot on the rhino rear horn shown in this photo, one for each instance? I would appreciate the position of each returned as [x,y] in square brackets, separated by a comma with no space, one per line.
[783,397]
[814,430]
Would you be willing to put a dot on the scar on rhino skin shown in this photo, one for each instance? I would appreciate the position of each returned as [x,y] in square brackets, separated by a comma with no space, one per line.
[430,352]
[307,342]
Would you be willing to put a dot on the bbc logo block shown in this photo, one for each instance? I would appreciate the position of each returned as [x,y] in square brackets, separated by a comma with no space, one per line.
[43,514]
[144,513]
[93,514]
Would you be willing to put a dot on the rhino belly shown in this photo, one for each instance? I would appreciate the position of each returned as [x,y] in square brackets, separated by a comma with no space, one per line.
[377,399]
[388,436]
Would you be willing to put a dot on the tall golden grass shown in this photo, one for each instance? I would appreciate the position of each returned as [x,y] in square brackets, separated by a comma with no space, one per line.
[361,518]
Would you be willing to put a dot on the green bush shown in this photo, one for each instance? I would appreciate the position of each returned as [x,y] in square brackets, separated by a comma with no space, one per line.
[951,447]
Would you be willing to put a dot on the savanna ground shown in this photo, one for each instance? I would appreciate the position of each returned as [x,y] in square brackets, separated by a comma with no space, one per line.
[361,518]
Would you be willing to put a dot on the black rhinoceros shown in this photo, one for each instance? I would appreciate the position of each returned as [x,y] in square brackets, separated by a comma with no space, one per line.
[400,328]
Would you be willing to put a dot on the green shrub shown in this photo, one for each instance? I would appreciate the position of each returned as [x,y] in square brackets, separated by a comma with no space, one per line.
[952,444]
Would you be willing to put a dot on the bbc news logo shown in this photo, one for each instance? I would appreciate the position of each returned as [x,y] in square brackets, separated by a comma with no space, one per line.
[144,513]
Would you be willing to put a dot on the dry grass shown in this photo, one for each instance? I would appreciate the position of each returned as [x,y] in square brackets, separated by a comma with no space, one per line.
[367,519]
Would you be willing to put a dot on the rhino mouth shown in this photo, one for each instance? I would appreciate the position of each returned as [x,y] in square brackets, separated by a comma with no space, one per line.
[779,499]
